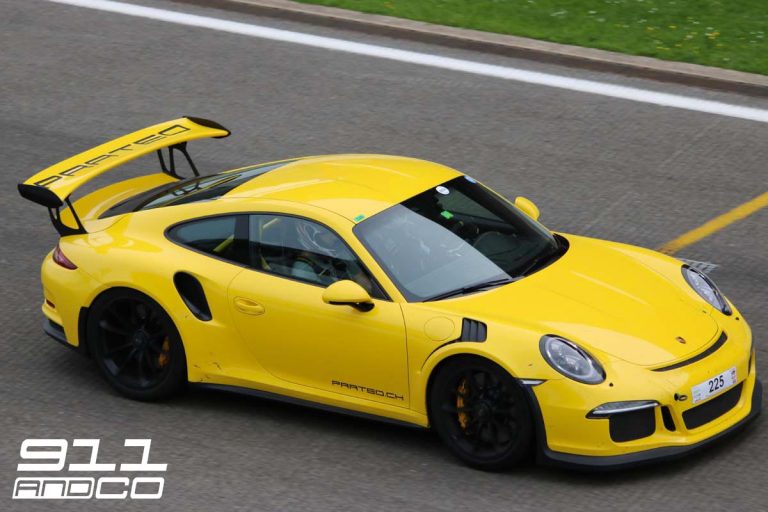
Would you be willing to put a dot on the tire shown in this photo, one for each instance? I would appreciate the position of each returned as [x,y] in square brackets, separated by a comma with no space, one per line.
[136,345]
[481,413]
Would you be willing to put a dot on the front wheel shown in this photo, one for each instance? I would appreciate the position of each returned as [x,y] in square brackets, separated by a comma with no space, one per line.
[481,413]
[136,345]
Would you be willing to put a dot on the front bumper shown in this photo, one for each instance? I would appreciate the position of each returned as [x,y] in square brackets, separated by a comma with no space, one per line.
[568,436]
[666,453]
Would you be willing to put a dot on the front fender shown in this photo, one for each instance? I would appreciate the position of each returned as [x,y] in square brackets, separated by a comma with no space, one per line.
[515,350]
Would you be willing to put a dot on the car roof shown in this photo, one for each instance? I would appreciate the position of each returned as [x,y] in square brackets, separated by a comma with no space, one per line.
[354,186]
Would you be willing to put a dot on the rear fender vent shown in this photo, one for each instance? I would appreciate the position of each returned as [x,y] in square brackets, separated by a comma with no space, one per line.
[472,330]
[191,292]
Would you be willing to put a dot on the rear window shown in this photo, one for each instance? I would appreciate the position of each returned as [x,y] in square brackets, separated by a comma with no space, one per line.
[190,190]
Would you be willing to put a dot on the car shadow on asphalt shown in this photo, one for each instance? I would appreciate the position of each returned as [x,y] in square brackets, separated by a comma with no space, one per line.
[80,373]
[322,420]
[426,442]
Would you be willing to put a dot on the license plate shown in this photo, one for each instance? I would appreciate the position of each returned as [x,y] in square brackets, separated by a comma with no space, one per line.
[714,385]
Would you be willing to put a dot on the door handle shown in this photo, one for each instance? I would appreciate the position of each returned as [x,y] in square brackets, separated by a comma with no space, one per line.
[248,306]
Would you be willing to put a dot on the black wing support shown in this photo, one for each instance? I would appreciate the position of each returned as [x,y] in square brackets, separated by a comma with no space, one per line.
[45,197]
[170,169]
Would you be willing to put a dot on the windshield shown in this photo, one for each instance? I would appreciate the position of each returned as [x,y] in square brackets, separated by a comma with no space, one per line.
[454,239]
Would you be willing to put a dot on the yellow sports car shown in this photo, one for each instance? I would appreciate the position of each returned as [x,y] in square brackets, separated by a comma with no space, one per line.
[394,288]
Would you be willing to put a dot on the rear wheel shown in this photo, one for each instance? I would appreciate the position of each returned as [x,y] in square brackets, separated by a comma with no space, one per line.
[481,413]
[136,345]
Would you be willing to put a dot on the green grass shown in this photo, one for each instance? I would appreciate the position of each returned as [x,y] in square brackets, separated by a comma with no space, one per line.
[723,33]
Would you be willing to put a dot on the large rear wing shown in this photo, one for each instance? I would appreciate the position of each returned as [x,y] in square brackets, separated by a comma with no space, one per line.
[53,186]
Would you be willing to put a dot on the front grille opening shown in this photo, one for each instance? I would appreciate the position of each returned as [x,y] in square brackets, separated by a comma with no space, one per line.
[666,416]
[628,426]
[709,411]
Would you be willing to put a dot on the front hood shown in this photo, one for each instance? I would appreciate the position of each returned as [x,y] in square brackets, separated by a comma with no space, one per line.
[601,296]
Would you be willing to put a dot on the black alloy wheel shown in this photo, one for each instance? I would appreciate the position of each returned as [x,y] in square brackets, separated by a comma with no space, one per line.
[136,345]
[481,413]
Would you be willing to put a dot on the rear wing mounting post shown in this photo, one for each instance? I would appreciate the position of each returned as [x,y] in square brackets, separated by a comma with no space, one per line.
[170,169]
[58,224]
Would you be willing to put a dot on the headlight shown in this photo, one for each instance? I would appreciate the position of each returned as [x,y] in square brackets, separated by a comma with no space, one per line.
[571,360]
[706,289]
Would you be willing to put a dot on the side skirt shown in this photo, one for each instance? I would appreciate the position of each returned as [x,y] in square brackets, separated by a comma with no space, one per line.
[298,401]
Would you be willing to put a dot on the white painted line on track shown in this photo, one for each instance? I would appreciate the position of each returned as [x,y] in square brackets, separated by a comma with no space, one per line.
[426,59]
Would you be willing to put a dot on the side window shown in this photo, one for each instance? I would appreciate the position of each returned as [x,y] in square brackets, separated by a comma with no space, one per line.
[223,237]
[304,250]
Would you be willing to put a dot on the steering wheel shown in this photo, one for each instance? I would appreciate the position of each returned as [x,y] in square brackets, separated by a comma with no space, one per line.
[465,230]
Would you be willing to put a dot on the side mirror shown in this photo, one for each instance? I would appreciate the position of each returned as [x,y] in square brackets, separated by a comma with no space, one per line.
[348,293]
[528,207]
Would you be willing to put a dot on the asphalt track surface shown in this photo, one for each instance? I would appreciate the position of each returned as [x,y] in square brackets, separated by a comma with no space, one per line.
[71,78]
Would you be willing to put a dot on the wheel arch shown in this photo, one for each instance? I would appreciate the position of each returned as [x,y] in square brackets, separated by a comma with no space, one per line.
[117,288]
[167,380]
[433,365]
[535,433]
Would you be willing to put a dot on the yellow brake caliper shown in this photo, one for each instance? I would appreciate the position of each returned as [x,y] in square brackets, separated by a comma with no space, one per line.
[463,417]
[162,359]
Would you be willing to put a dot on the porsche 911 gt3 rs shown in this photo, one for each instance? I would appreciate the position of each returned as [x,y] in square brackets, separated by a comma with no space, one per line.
[389,287]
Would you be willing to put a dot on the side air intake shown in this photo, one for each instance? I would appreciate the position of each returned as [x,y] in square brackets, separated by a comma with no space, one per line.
[191,292]
[472,330]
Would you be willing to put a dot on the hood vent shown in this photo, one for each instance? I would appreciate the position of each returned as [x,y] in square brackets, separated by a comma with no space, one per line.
[472,330]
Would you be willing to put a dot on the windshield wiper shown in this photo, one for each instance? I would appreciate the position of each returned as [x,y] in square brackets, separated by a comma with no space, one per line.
[469,289]
[541,260]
